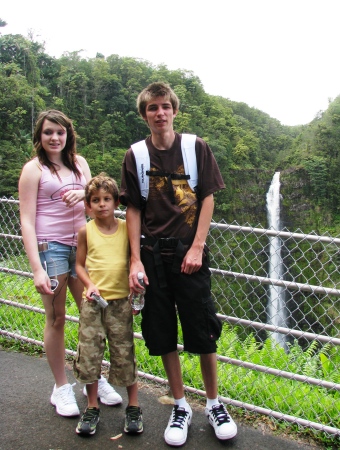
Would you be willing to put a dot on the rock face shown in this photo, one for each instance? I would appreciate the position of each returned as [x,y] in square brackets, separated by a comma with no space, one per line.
[248,189]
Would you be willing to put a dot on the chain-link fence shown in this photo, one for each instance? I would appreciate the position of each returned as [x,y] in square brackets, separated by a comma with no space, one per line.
[277,293]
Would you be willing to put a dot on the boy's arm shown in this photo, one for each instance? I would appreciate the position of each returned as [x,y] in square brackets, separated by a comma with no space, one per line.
[80,264]
[133,225]
[192,261]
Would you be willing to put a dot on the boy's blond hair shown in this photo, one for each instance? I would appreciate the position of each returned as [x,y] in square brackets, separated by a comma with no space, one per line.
[101,181]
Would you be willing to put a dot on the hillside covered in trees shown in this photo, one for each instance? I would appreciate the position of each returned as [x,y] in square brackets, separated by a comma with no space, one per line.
[99,94]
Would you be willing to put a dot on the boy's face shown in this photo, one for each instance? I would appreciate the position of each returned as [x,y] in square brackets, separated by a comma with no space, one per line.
[159,115]
[102,204]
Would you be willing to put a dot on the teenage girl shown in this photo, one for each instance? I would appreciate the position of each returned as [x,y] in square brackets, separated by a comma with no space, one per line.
[51,193]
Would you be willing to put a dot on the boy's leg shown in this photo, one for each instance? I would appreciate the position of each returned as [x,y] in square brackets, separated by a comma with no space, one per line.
[133,413]
[209,374]
[173,371]
[132,392]
[92,395]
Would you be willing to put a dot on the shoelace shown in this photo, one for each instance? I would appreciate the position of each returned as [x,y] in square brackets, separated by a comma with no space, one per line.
[90,414]
[67,394]
[220,414]
[133,413]
[179,417]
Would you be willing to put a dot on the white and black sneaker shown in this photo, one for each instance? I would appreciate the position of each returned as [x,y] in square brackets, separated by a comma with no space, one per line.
[219,418]
[177,430]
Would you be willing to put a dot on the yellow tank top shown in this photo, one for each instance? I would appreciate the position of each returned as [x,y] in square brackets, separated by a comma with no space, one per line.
[107,260]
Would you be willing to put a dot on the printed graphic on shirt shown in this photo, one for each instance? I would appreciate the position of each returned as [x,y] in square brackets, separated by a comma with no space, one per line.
[185,198]
[67,187]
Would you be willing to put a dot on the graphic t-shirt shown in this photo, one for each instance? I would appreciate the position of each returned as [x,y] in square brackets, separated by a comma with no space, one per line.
[160,217]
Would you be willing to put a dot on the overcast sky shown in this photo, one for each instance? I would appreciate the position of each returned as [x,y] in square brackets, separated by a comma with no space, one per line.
[280,56]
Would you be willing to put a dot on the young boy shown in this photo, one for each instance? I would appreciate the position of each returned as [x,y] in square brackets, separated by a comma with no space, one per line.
[103,267]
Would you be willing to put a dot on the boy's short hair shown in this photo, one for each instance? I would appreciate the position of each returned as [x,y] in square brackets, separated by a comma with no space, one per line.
[153,90]
[101,181]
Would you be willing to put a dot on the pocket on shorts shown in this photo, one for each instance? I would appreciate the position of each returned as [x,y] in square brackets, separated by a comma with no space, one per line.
[214,324]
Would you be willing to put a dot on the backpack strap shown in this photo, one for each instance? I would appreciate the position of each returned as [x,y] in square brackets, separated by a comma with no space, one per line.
[189,159]
[142,157]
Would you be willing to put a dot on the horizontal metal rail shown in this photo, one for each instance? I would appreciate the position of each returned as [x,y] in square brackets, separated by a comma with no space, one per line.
[287,284]
[267,232]
[282,330]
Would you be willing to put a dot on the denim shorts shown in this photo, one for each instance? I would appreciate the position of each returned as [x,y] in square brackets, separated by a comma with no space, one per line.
[57,258]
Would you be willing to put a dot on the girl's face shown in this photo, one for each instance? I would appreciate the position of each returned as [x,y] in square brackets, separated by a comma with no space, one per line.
[53,137]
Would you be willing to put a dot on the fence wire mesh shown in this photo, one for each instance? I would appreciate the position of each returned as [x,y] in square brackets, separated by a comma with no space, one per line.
[277,293]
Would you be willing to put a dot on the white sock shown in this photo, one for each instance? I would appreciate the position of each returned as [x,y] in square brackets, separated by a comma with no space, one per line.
[181,402]
[212,402]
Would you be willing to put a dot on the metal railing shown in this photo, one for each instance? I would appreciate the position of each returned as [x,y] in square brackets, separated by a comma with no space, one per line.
[269,357]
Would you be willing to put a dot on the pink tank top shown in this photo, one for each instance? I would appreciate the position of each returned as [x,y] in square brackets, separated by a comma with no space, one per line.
[54,220]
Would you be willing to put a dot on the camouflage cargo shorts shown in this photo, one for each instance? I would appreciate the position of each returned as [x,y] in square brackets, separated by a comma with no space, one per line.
[113,324]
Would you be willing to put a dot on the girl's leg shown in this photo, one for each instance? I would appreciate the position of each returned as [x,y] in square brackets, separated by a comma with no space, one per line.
[76,287]
[54,341]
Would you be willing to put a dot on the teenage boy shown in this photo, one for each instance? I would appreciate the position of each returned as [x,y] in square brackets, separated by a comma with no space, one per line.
[167,233]
[103,266]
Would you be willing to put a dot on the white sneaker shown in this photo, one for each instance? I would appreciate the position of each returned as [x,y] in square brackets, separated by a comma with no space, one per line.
[177,430]
[64,400]
[106,393]
[219,418]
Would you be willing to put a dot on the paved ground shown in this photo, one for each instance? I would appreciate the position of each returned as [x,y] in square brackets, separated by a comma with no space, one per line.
[29,422]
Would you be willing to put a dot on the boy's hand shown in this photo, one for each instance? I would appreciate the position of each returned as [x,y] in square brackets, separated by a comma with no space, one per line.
[133,277]
[90,290]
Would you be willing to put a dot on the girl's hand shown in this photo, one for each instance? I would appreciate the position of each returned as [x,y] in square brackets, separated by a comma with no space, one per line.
[72,197]
[42,282]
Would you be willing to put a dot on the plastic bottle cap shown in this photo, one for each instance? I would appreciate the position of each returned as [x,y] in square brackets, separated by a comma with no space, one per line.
[140,275]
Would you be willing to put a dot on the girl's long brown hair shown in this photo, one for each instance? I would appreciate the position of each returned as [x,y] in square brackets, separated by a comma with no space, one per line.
[69,152]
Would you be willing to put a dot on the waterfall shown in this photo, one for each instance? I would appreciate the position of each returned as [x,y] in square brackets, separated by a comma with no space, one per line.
[277,314]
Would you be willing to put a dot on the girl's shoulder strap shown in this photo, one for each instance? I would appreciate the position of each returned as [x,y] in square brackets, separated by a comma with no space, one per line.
[38,164]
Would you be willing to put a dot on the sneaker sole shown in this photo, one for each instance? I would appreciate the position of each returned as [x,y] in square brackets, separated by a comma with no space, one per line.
[91,433]
[118,402]
[133,432]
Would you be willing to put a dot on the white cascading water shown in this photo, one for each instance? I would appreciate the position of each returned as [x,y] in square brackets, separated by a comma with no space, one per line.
[277,314]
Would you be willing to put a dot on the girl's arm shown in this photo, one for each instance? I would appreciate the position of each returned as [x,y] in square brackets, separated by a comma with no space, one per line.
[28,193]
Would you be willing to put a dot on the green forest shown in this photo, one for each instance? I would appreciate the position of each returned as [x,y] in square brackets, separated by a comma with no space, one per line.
[99,94]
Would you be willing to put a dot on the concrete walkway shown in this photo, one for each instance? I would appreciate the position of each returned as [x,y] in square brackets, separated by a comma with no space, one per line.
[29,422]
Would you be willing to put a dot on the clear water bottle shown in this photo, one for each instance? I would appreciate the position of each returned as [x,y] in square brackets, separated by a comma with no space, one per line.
[137,300]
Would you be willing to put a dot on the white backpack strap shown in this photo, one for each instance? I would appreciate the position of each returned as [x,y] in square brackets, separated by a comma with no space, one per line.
[142,157]
[189,159]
